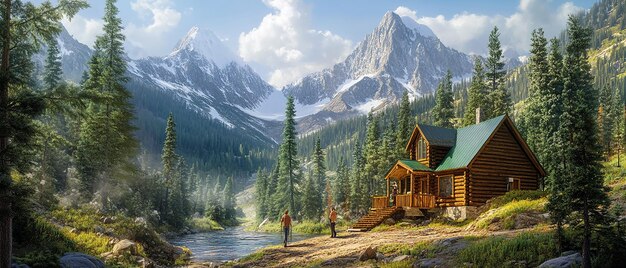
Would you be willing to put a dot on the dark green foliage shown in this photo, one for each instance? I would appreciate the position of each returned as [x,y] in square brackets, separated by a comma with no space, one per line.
[311,207]
[405,126]
[359,197]
[498,97]
[477,94]
[341,184]
[371,154]
[261,186]
[228,202]
[444,103]
[289,169]
[319,178]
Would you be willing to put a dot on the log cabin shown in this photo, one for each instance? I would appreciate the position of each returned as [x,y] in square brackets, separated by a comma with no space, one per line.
[456,170]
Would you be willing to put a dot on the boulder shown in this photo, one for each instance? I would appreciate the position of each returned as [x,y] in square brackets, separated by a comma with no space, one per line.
[401,258]
[368,254]
[146,263]
[125,246]
[107,220]
[75,259]
[572,260]
[380,256]
[98,229]
[16,265]
[390,221]
[428,263]
[524,220]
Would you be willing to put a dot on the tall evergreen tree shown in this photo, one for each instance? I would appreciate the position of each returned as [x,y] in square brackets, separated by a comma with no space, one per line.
[404,126]
[311,208]
[261,186]
[359,183]
[444,106]
[289,172]
[168,159]
[477,94]
[228,201]
[52,67]
[319,173]
[342,183]
[583,176]
[495,72]
[371,153]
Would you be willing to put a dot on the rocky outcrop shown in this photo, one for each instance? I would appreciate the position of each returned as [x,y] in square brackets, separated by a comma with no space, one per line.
[572,260]
[368,254]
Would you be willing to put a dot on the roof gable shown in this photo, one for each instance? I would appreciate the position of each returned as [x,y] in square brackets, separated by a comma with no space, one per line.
[469,141]
[435,136]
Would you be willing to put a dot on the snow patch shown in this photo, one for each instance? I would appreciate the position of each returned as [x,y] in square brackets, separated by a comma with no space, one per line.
[216,115]
[304,110]
[207,44]
[369,105]
[64,51]
[421,29]
[271,108]
[351,82]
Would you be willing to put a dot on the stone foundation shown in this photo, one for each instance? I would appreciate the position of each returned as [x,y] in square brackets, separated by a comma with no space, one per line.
[460,213]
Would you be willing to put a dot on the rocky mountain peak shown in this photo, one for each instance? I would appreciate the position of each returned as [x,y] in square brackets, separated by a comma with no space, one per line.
[208,45]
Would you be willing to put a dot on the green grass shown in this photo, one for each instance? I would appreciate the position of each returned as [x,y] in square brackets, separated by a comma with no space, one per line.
[205,225]
[506,213]
[613,173]
[424,249]
[532,247]
[516,196]
[303,227]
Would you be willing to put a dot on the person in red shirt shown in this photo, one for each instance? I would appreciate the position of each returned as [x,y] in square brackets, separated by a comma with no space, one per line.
[333,220]
[285,221]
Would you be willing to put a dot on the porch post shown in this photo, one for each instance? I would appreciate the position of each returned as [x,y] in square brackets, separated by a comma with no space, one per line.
[387,188]
[411,189]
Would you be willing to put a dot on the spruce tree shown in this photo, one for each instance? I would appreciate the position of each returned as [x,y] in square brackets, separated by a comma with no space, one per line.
[319,174]
[228,202]
[535,116]
[476,93]
[342,183]
[404,126]
[52,67]
[168,158]
[289,172]
[261,186]
[311,208]
[583,178]
[371,155]
[444,102]
[358,183]
[496,100]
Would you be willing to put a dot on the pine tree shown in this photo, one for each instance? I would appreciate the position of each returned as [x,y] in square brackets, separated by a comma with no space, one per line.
[228,202]
[52,66]
[271,195]
[358,188]
[342,183]
[477,94]
[319,174]
[583,178]
[404,126]
[311,208]
[168,158]
[444,107]
[497,95]
[261,186]
[370,154]
[289,172]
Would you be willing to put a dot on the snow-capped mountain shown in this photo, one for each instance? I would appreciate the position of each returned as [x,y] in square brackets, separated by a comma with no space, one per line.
[74,57]
[399,55]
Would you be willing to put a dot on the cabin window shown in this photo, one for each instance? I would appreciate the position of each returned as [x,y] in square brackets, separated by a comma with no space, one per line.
[446,186]
[513,184]
[421,148]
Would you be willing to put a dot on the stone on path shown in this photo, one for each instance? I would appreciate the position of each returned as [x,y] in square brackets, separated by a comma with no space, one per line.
[368,254]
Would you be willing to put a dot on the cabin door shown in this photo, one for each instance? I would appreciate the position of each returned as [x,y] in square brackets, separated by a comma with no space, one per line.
[423,185]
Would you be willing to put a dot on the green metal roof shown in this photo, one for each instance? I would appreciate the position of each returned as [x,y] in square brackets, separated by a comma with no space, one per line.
[416,166]
[469,140]
[438,136]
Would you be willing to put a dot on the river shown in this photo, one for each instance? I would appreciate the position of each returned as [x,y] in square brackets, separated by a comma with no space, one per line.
[229,244]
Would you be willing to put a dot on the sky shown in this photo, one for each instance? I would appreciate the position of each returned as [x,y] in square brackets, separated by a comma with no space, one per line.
[283,40]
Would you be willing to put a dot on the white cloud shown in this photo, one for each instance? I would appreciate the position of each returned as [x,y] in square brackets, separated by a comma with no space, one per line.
[403,11]
[287,44]
[468,32]
[149,39]
[83,29]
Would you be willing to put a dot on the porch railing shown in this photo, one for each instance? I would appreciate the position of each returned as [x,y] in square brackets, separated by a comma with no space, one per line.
[403,200]
[424,201]
[380,202]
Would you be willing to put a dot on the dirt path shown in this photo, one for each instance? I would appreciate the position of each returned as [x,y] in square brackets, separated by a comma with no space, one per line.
[343,251]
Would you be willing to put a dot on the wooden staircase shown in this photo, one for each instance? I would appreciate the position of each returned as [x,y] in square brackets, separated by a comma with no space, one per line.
[373,219]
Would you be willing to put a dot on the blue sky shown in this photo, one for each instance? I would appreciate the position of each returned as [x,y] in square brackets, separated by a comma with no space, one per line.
[285,39]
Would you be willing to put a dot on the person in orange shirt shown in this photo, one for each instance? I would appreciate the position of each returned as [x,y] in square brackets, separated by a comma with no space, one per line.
[285,221]
[333,220]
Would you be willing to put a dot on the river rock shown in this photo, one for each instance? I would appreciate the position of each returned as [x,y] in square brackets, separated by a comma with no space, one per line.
[401,258]
[380,256]
[428,263]
[368,254]
[125,246]
[75,259]
[572,260]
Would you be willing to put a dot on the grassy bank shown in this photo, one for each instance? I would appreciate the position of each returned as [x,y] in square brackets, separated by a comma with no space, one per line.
[205,225]
[302,227]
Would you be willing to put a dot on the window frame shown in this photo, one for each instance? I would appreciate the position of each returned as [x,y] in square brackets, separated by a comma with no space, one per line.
[421,145]
[439,188]
[513,184]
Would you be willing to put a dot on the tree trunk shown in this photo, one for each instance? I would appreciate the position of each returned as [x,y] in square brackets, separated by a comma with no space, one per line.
[586,237]
[6,237]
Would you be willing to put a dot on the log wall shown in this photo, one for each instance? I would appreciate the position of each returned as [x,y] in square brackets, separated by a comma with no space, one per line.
[502,158]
